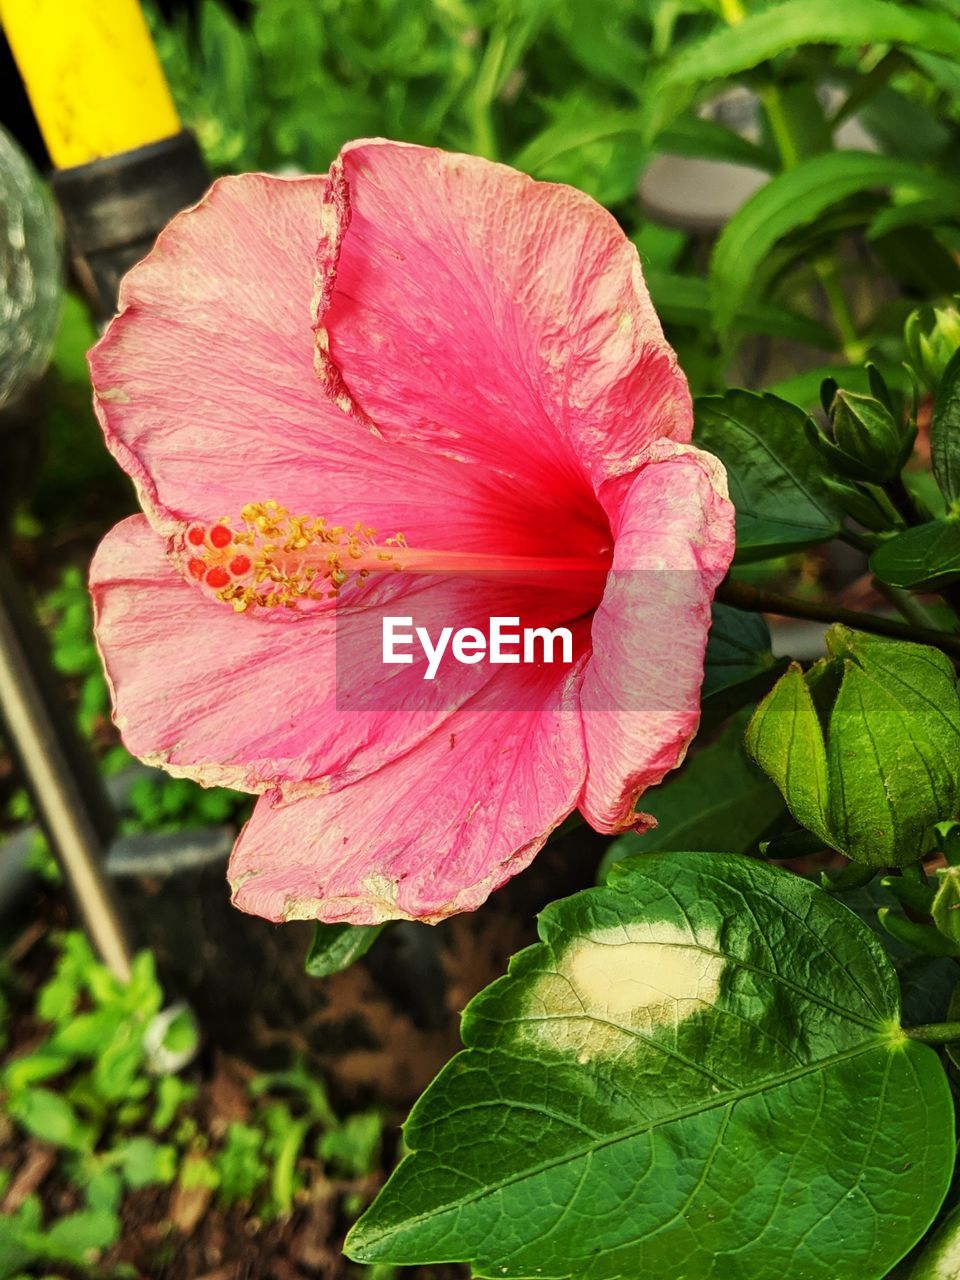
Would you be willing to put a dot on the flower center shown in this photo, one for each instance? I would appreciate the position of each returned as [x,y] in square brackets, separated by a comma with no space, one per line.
[271,559]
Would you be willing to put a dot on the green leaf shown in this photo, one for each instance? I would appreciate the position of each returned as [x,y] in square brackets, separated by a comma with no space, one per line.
[598,37]
[239,1166]
[786,740]
[588,143]
[49,1117]
[775,473]
[352,1148]
[704,139]
[144,1162]
[336,947]
[933,212]
[31,1068]
[915,257]
[945,432]
[86,1034]
[780,28]
[738,649]
[952,1048]
[655,1090]
[79,1235]
[739,665]
[902,125]
[944,72]
[681,299]
[926,982]
[927,555]
[59,995]
[785,204]
[720,800]
[565,135]
[118,1070]
[889,782]
[660,247]
[104,1189]
[171,1094]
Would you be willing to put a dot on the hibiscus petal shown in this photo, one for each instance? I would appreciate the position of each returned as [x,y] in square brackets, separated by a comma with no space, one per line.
[470,309]
[209,354]
[255,700]
[206,390]
[641,690]
[436,831]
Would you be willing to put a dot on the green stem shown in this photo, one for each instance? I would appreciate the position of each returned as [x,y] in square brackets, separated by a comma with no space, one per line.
[780,126]
[934,1032]
[867,86]
[860,542]
[757,600]
[907,605]
[922,937]
[854,350]
[283,1182]
[903,503]
[484,92]
[919,897]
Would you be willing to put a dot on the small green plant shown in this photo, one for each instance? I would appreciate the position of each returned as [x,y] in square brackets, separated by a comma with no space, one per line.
[96,1086]
[87,1089]
[170,804]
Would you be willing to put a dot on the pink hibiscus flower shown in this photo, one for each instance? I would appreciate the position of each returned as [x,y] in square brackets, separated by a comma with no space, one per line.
[462,404]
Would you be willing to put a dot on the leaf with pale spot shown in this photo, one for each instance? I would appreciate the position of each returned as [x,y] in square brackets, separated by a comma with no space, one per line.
[698,1072]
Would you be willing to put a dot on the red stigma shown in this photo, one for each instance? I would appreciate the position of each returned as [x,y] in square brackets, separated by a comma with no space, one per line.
[217,578]
[220,536]
[240,565]
[195,536]
[197,567]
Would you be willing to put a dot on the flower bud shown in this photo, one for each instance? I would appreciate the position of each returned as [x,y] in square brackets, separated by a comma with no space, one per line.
[931,347]
[873,443]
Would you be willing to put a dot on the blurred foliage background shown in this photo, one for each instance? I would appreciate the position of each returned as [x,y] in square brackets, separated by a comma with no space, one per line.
[598,93]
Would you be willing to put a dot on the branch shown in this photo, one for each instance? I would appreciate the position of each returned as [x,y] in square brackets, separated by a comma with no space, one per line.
[757,600]
[934,1032]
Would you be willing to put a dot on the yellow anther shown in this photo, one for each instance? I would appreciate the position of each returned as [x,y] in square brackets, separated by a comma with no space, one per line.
[273,558]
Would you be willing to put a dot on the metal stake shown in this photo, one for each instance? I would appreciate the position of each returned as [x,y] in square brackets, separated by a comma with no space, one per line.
[59,773]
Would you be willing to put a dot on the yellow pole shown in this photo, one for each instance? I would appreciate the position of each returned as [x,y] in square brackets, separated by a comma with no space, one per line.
[92,74]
